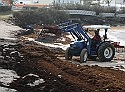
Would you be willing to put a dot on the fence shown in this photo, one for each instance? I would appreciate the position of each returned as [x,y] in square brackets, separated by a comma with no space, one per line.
[107,14]
[93,13]
[121,15]
[81,12]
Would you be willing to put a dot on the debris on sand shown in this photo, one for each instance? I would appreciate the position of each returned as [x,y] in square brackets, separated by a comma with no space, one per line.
[65,76]
[41,71]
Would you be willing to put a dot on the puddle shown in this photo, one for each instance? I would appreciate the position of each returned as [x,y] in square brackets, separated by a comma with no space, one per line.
[7,76]
[3,89]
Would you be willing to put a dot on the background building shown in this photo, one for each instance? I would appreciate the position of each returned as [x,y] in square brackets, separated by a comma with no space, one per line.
[114,3]
[34,1]
[46,1]
[23,2]
[67,1]
[5,2]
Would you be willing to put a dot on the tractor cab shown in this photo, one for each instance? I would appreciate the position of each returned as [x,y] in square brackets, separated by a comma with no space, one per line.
[87,46]
[95,29]
[94,33]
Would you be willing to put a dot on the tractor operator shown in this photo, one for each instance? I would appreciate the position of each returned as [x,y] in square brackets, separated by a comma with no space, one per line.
[96,39]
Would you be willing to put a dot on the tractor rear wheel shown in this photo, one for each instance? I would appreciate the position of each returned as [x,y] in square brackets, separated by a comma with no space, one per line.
[68,55]
[83,55]
[106,52]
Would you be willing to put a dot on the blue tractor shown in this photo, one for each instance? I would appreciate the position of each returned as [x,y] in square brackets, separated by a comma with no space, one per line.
[84,46]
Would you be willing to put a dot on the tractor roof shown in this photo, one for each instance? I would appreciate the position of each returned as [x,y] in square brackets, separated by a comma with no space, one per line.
[97,27]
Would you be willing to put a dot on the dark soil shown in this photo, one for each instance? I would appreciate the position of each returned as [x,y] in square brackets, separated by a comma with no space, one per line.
[60,75]
[63,76]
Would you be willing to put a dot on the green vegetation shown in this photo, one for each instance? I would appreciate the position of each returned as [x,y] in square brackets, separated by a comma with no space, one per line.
[5,8]
[56,15]
[5,12]
[40,16]
[97,8]
[27,8]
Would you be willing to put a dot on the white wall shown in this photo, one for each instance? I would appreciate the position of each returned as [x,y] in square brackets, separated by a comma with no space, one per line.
[24,1]
[117,1]
[68,1]
[35,1]
[45,1]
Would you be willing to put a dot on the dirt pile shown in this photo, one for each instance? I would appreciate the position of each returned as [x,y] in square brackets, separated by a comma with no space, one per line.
[34,54]
[63,76]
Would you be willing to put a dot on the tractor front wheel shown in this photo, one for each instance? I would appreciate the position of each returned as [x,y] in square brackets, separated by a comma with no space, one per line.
[106,52]
[83,55]
[68,55]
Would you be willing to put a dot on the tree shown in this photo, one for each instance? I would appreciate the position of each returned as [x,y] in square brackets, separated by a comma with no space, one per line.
[40,16]
[11,2]
[108,2]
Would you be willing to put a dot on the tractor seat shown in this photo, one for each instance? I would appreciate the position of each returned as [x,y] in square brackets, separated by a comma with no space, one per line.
[95,43]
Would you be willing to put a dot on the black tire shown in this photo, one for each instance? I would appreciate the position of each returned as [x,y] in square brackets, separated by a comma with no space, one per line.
[106,52]
[83,55]
[68,55]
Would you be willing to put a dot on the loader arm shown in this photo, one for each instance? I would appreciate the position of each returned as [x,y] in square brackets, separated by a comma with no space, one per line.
[77,30]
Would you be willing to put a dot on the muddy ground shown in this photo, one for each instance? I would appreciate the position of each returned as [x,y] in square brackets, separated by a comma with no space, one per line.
[59,75]
[63,76]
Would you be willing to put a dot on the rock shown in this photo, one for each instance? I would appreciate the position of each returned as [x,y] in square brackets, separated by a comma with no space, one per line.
[15,54]
[1,57]
[7,51]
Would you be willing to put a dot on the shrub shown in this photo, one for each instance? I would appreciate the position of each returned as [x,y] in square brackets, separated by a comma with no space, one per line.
[29,8]
[24,18]
[40,16]
[97,8]
[5,8]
